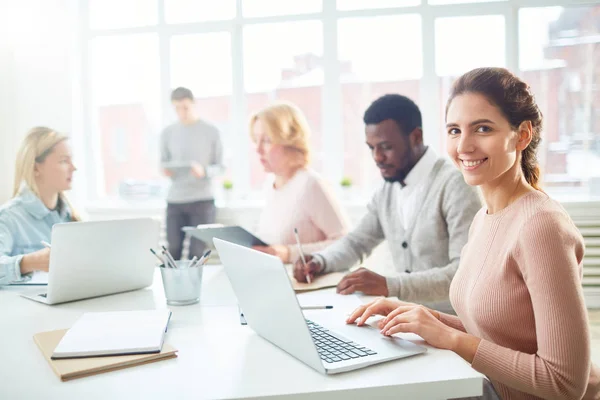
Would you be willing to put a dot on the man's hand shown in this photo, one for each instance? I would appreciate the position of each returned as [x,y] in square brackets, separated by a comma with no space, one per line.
[312,268]
[198,170]
[365,281]
[36,261]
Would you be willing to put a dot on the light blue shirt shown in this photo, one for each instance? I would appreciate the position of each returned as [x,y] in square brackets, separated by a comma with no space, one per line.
[24,222]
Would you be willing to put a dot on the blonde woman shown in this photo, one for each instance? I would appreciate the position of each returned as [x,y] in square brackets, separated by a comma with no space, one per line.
[44,170]
[298,198]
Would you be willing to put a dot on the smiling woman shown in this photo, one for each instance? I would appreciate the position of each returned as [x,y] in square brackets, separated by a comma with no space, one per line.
[497,122]
[521,319]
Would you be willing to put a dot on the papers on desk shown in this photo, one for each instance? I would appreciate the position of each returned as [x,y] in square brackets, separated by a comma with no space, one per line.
[319,282]
[114,333]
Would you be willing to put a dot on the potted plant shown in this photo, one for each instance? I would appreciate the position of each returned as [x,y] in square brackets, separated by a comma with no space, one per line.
[227,190]
[227,184]
[346,185]
[346,182]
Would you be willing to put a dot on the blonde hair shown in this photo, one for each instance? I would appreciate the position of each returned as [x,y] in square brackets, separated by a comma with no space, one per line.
[285,125]
[37,145]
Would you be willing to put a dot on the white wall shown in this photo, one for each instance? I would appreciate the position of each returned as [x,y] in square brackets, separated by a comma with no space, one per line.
[38,47]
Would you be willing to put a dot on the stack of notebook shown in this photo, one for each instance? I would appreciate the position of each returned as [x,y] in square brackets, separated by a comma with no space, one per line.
[106,341]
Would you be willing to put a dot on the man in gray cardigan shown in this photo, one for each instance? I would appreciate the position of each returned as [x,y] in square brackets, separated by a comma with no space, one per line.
[423,209]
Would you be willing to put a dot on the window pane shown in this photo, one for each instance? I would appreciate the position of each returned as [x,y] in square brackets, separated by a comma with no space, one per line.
[268,8]
[113,14]
[284,61]
[202,63]
[559,50]
[363,5]
[184,11]
[211,82]
[438,2]
[126,104]
[464,43]
[368,73]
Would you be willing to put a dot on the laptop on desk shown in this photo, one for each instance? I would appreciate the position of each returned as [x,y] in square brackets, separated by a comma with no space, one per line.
[91,259]
[271,308]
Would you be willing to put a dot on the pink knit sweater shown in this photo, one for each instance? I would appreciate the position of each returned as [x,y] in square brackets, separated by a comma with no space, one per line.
[307,203]
[518,288]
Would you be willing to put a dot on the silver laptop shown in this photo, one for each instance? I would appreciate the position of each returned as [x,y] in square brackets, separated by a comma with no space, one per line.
[271,308]
[90,259]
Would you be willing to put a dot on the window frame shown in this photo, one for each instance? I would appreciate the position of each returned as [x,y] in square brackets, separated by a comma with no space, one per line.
[332,118]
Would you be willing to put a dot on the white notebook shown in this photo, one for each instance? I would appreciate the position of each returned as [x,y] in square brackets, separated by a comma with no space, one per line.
[114,333]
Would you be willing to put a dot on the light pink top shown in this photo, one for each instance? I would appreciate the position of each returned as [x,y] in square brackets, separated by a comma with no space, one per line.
[305,202]
[518,288]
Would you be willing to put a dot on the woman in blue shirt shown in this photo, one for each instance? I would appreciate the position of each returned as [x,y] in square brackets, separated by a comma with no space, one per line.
[44,170]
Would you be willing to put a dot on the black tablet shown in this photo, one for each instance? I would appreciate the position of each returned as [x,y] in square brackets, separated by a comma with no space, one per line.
[235,234]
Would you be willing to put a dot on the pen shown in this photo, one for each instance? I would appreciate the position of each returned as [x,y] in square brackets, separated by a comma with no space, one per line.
[202,259]
[316,307]
[46,244]
[302,255]
[169,256]
[168,262]
[162,261]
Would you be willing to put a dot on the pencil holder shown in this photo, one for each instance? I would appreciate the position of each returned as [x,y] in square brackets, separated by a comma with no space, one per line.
[182,284]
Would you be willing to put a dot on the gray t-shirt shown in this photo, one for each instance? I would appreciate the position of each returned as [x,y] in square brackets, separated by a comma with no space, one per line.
[180,145]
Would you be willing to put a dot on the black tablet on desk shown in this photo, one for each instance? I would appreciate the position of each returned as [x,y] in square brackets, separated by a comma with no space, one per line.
[234,234]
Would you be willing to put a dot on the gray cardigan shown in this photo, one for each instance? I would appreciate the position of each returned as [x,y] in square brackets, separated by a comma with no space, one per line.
[426,255]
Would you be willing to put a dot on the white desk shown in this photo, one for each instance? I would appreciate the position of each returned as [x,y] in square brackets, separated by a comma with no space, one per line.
[218,357]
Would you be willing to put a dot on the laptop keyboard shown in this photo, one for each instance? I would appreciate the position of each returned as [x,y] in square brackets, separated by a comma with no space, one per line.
[333,348]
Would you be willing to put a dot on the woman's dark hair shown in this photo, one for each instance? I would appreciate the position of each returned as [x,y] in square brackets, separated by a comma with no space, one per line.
[516,102]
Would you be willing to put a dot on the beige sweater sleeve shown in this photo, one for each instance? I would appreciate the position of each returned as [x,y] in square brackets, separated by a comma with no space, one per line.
[326,213]
[549,254]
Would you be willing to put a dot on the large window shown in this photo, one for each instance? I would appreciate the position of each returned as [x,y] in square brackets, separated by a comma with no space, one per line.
[366,73]
[126,112]
[332,58]
[559,54]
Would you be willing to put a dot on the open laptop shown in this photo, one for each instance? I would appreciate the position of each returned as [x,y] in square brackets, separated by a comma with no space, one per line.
[271,308]
[90,259]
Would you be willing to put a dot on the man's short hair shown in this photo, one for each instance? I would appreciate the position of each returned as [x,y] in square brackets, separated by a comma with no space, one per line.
[399,108]
[182,93]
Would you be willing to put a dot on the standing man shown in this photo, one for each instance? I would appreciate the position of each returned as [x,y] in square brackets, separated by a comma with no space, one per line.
[423,209]
[191,155]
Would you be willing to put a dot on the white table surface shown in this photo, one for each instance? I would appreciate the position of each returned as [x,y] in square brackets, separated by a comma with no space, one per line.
[218,357]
